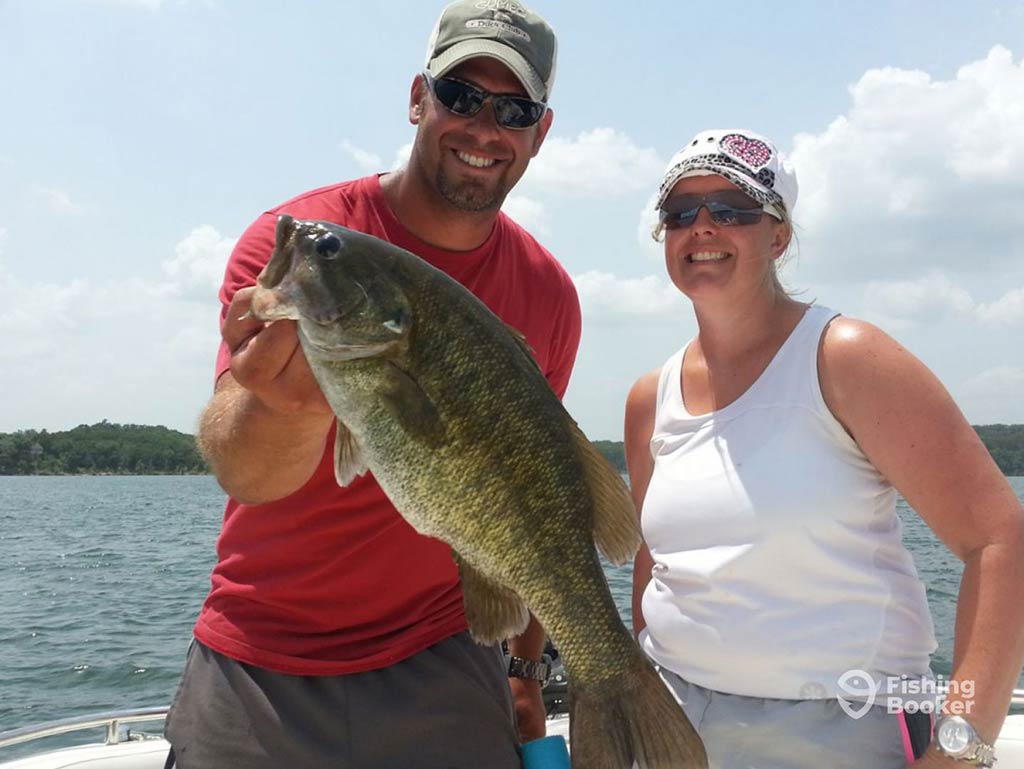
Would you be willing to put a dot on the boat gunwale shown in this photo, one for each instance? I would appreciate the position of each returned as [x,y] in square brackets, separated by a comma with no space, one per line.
[113,720]
[110,720]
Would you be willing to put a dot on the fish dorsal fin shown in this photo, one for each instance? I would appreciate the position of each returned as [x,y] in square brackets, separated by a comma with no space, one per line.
[523,344]
[493,612]
[616,528]
[348,459]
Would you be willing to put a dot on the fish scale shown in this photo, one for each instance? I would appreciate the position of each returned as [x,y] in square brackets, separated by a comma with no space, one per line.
[448,409]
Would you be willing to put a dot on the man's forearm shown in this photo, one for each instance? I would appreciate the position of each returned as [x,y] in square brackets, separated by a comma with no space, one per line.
[257,454]
[530,643]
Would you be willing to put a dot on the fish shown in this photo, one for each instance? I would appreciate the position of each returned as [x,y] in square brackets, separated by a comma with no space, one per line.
[445,405]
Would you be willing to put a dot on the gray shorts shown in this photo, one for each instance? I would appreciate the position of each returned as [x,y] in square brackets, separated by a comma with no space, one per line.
[754,733]
[448,707]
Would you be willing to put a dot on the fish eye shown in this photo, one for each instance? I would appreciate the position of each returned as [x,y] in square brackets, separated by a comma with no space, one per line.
[328,246]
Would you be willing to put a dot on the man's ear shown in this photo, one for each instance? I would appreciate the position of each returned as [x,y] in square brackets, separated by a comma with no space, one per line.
[417,93]
[542,130]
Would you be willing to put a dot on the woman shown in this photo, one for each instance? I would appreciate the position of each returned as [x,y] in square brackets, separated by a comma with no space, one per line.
[773,590]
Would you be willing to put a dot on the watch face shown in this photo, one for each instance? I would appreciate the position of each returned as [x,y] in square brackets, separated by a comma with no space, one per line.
[954,736]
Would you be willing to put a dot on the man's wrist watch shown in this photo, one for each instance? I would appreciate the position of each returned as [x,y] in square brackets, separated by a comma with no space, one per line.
[534,671]
[956,738]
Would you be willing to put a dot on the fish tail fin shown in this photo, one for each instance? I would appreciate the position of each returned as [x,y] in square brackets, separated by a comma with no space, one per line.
[632,718]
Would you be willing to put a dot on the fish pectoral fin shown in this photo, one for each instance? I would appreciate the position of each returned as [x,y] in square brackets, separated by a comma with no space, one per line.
[494,612]
[348,458]
[411,407]
[616,525]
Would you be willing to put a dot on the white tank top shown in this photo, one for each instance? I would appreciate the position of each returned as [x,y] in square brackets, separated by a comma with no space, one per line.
[778,558]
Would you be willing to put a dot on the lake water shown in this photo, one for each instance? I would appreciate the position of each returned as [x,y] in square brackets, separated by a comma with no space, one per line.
[101,579]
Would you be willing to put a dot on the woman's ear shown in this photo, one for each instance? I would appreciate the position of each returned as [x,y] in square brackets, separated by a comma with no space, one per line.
[780,239]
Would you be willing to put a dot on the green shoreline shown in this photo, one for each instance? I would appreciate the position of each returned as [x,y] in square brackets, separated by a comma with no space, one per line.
[113,449]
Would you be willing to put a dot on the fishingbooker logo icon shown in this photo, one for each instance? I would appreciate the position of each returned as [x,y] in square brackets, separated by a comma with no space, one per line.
[903,694]
[862,689]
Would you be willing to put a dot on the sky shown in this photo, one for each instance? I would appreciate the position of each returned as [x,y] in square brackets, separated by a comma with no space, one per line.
[139,138]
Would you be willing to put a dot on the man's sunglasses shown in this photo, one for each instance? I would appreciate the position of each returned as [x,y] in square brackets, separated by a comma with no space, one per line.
[728,208]
[466,100]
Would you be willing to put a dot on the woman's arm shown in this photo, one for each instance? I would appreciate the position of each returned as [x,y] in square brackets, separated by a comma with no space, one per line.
[640,410]
[911,430]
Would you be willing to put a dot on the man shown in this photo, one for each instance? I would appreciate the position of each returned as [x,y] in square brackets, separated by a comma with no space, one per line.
[334,634]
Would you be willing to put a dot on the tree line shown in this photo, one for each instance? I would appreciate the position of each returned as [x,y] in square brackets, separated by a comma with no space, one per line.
[113,449]
[1004,442]
[101,449]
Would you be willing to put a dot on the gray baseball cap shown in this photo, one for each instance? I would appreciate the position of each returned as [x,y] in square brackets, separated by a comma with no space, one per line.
[505,30]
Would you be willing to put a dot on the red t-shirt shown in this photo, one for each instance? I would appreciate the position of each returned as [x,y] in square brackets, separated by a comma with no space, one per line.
[332,580]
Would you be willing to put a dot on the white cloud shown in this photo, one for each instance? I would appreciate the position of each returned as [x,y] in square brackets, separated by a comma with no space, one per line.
[925,299]
[528,213]
[935,296]
[994,396]
[604,295]
[149,5]
[645,227]
[598,163]
[982,150]
[365,161]
[402,155]
[130,350]
[1008,310]
[918,173]
[58,201]
[197,267]
[32,315]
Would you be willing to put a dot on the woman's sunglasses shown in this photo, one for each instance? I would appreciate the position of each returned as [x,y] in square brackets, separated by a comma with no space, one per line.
[728,208]
[466,100]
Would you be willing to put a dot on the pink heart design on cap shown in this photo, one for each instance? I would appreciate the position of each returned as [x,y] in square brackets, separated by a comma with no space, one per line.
[754,152]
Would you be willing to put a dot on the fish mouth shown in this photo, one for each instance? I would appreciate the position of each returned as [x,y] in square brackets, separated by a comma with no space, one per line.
[340,351]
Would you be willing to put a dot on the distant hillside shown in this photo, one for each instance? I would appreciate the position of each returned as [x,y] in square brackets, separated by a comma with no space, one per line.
[613,452]
[1004,442]
[100,449]
[1006,445]
[112,449]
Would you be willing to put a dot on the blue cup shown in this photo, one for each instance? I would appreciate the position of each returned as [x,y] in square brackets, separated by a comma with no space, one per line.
[546,753]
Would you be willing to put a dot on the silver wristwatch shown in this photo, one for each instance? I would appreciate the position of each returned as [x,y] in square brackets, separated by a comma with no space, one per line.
[956,738]
[535,671]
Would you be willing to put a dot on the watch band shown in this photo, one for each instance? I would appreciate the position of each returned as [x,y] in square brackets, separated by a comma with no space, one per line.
[976,753]
[519,667]
[984,756]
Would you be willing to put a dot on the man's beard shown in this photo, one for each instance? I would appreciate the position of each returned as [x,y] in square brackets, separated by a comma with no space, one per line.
[471,196]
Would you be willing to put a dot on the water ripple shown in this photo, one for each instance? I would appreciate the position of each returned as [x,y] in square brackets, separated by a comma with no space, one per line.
[101,579]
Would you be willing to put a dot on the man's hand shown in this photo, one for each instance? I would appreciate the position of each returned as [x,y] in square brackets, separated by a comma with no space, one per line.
[263,431]
[267,360]
[529,705]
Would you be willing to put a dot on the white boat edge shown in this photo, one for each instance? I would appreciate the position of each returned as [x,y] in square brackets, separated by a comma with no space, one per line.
[125,748]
